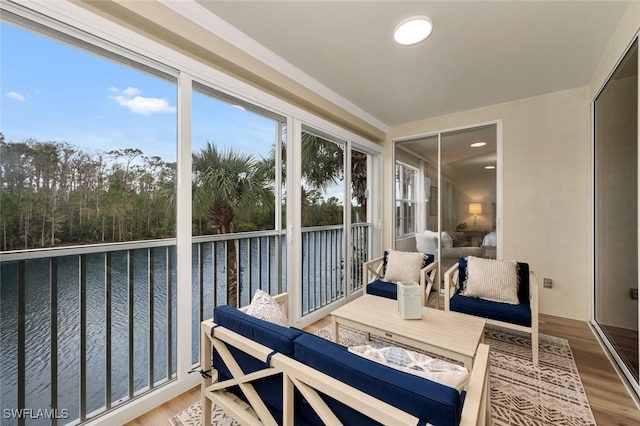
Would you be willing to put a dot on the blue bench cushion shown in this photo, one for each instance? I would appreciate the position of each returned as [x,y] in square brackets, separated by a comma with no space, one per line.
[268,334]
[430,401]
[279,338]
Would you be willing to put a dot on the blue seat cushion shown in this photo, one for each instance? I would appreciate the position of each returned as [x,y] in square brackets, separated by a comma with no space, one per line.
[430,401]
[515,314]
[274,336]
[383,289]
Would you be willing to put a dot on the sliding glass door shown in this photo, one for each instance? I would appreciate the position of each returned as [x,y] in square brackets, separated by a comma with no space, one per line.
[616,213]
[446,185]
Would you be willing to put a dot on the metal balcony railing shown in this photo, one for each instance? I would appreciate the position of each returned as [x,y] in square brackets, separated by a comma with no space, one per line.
[85,329]
[323,263]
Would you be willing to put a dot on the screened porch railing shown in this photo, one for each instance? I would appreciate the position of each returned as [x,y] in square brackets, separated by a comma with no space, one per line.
[85,329]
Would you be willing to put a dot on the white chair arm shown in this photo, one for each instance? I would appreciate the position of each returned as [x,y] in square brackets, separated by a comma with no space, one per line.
[477,406]
[371,271]
[429,282]
[533,287]
[450,284]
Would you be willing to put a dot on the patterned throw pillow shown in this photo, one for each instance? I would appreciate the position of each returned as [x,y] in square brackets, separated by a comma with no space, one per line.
[434,369]
[264,307]
[403,266]
[494,280]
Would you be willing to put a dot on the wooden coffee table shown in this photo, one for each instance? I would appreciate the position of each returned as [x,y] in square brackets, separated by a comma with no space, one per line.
[449,334]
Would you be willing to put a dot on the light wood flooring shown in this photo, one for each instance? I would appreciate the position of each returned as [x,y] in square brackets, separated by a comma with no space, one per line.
[610,402]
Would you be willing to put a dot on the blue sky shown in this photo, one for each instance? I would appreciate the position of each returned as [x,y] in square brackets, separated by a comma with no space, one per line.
[53,92]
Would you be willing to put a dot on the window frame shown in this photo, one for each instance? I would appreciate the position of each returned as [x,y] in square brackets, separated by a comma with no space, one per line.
[405,223]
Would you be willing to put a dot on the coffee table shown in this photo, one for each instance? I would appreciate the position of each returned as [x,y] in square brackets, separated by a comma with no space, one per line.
[450,334]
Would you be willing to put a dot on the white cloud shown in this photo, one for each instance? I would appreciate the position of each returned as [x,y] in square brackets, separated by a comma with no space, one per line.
[16,96]
[139,104]
[130,91]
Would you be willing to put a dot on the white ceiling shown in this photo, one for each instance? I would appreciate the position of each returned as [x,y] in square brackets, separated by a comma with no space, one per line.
[480,52]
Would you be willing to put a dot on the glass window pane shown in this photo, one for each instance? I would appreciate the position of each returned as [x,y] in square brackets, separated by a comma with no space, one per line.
[323,201]
[88,157]
[237,188]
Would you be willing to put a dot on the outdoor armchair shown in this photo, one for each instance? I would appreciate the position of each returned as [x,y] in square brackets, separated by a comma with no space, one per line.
[519,313]
[380,275]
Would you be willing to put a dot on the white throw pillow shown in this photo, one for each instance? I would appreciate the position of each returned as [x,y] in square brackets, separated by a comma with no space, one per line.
[265,307]
[494,280]
[447,241]
[403,266]
[434,369]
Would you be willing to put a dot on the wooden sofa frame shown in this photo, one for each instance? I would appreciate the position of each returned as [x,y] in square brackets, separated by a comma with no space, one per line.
[451,286]
[372,271]
[310,382]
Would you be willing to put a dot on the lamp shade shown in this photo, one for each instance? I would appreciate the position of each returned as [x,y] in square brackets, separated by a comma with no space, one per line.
[475,208]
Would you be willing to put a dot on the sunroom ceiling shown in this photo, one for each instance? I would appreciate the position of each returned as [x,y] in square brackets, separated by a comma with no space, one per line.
[480,52]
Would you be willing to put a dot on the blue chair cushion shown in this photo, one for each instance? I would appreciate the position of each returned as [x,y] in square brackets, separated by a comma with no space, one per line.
[514,314]
[430,401]
[383,289]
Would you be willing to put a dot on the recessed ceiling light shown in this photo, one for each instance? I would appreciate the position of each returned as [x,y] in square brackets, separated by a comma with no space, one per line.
[489,167]
[478,144]
[412,30]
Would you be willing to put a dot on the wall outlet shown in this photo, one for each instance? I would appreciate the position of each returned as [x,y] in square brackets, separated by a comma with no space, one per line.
[546,283]
[634,293]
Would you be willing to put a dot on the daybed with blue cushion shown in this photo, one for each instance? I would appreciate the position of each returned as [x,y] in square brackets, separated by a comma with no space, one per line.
[379,280]
[519,314]
[276,375]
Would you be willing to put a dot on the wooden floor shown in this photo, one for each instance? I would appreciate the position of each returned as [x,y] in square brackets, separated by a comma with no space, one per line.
[610,402]
[626,343]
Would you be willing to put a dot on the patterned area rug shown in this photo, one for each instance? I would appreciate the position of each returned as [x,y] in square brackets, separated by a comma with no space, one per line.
[520,393]
[191,417]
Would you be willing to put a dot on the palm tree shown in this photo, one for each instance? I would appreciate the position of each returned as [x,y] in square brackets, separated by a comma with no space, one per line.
[323,165]
[224,182]
[359,179]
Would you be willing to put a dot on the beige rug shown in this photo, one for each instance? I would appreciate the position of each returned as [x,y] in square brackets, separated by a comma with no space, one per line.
[520,393]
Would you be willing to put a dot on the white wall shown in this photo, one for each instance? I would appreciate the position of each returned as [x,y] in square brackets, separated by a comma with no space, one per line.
[546,189]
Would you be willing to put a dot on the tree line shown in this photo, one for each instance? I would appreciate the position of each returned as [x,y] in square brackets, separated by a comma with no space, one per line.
[53,193]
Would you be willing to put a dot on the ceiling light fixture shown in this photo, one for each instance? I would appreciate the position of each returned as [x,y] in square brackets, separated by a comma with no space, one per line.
[412,30]
[478,144]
